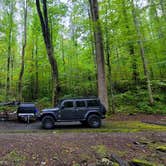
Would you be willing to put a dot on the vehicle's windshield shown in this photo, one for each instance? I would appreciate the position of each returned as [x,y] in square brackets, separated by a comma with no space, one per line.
[59,103]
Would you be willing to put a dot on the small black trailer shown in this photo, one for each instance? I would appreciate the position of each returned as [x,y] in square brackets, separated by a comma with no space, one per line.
[23,111]
[27,111]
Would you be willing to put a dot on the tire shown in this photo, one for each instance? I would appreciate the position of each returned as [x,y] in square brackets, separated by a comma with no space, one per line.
[84,123]
[19,119]
[94,121]
[48,122]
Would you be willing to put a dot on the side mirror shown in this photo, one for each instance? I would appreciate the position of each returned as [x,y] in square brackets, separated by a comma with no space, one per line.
[62,107]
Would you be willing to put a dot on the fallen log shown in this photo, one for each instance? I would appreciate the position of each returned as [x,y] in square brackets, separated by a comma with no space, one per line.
[155,123]
[117,159]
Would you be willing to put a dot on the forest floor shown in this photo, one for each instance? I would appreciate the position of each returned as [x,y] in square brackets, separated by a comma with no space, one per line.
[121,138]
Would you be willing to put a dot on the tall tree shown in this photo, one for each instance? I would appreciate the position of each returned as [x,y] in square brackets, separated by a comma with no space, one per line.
[108,59]
[142,52]
[99,50]
[49,47]
[23,51]
[10,14]
[135,74]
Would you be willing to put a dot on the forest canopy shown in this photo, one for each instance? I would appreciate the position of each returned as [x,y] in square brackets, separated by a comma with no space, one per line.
[66,63]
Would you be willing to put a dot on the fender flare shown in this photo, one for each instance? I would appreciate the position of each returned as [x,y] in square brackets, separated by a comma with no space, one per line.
[48,114]
[92,112]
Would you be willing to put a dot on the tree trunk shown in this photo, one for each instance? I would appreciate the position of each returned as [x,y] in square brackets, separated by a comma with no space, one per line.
[36,70]
[8,79]
[92,47]
[108,63]
[32,83]
[135,74]
[102,87]
[163,8]
[23,53]
[8,65]
[142,52]
[47,39]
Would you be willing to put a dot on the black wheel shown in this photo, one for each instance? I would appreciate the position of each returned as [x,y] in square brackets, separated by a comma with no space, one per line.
[94,121]
[48,122]
[19,119]
[84,123]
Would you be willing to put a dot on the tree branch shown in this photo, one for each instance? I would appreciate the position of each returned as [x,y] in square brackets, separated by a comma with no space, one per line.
[41,20]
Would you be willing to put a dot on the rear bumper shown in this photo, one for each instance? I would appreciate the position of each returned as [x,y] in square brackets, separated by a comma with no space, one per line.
[28,116]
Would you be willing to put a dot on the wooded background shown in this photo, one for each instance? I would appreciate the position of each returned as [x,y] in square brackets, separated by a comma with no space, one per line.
[61,57]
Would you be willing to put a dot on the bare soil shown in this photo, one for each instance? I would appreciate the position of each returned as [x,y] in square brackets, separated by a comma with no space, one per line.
[26,146]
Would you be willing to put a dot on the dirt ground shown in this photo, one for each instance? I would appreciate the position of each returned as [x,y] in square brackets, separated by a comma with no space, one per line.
[76,145]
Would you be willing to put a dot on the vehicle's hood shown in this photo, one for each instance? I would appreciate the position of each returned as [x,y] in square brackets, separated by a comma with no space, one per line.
[50,109]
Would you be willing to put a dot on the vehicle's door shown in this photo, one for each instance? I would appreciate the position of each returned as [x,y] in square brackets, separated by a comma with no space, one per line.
[67,111]
[81,109]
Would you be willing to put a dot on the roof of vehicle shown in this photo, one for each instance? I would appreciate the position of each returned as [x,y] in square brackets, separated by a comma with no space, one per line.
[80,98]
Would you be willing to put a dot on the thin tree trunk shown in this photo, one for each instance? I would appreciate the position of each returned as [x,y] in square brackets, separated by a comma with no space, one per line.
[108,63]
[116,47]
[8,66]
[135,74]
[163,8]
[8,79]
[23,53]
[62,51]
[36,70]
[142,52]
[47,39]
[102,87]
[32,92]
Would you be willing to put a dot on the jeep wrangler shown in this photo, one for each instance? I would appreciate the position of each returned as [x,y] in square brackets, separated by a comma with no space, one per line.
[89,111]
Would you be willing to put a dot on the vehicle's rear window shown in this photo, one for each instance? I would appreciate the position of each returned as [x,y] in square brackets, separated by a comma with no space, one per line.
[68,104]
[80,104]
[93,103]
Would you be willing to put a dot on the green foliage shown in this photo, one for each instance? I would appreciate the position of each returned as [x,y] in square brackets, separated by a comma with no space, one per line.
[144,107]
[72,38]
[137,101]
[43,103]
[159,85]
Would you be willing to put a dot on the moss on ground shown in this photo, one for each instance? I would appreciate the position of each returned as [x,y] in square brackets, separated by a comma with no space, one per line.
[139,162]
[107,127]
[161,148]
[100,150]
[118,126]
[13,158]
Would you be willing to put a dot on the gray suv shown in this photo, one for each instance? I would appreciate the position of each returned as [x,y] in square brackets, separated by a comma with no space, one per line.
[89,111]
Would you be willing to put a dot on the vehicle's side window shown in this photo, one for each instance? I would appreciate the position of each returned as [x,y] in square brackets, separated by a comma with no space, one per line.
[68,104]
[93,103]
[80,104]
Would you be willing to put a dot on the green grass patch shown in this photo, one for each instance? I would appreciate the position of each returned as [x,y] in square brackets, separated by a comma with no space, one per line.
[161,148]
[139,162]
[118,126]
[108,126]
[13,158]
[100,150]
